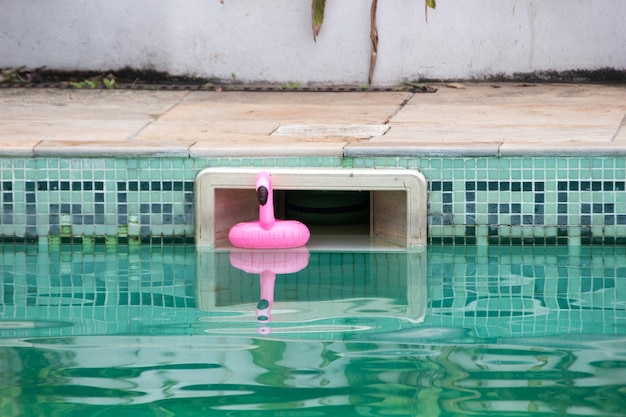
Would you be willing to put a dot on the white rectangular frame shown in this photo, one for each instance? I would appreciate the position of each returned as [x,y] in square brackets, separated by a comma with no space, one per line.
[215,218]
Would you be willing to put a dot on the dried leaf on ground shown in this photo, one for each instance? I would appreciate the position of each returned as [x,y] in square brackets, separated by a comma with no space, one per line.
[417,87]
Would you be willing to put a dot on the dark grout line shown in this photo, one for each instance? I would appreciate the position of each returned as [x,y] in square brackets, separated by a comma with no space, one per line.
[619,128]
[400,107]
[149,123]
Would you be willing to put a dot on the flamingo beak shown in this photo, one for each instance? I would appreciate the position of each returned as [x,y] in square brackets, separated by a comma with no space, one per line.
[262,194]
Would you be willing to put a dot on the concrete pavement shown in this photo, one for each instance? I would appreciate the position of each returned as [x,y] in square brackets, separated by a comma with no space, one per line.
[481,119]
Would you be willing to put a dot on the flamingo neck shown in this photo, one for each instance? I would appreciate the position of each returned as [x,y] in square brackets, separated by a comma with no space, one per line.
[268,278]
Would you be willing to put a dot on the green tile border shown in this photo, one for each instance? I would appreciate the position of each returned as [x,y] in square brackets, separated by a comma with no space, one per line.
[471,199]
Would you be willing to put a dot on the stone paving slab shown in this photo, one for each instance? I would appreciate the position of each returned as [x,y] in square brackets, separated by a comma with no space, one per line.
[544,113]
[512,119]
[50,114]
[262,113]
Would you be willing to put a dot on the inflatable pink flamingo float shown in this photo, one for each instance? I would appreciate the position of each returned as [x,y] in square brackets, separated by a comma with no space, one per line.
[267,264]
[267,232]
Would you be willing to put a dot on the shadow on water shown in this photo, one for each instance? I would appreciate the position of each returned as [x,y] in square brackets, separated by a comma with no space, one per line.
[451,331]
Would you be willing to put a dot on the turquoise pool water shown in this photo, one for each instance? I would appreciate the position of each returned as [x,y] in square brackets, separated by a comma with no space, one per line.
[450,331]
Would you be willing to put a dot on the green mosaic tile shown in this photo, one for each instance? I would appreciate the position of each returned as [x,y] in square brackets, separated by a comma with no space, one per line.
[481,175]
[542,178]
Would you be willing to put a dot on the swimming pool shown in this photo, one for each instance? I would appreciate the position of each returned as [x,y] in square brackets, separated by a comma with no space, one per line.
[447,331]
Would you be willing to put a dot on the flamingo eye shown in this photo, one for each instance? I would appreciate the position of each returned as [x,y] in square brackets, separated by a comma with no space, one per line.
[262,194]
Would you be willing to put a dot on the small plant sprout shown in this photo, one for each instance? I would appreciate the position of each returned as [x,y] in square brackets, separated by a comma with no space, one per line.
[290,86]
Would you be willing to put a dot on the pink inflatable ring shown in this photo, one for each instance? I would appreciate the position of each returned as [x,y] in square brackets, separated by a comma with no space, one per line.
[267,232]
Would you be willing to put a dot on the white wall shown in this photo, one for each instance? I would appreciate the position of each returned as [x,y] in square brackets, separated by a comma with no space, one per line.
[271,40]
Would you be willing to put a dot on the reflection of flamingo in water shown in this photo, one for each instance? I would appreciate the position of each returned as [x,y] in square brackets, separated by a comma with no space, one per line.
[268,264]
[267,232]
